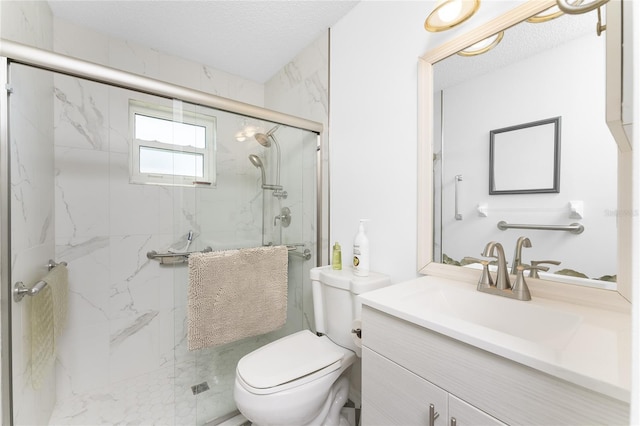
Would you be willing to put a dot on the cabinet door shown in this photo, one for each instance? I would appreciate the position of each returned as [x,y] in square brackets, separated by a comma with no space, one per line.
[463,414]
[392,395]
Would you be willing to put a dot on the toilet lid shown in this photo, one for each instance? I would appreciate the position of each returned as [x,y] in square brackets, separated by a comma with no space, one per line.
[289,359]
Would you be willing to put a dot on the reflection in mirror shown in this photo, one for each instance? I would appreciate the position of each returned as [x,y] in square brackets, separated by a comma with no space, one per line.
[539,70]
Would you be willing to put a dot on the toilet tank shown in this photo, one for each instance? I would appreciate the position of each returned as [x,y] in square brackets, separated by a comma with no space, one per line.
[336,303]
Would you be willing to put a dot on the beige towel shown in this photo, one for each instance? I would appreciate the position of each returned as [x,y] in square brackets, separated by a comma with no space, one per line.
[58,280]
[42,345]
[235,294]
[48,318]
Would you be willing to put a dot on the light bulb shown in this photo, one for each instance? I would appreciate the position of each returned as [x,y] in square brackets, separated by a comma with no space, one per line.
[450,11]
[250,131]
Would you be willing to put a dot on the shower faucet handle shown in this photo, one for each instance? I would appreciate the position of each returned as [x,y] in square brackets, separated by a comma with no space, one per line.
[284,216]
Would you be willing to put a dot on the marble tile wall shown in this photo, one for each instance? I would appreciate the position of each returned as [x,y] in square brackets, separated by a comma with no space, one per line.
[32,227]
[127,315]
[302,88]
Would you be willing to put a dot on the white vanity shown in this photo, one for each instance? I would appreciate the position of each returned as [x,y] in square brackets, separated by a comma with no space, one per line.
[438,352]
[480,359]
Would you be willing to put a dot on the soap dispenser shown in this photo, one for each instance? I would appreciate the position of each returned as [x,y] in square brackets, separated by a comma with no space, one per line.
[336,262]
[361,252]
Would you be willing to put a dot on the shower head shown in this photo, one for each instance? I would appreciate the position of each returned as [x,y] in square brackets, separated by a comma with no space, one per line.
[256,161]
[264,138]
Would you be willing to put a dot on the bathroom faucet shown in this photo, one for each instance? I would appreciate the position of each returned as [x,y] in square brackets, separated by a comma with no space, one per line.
[502,279]
[502,286]
[517,254]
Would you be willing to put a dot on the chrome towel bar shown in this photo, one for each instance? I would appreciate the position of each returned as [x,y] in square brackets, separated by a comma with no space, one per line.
[169,258]
[20,290]
[574,228]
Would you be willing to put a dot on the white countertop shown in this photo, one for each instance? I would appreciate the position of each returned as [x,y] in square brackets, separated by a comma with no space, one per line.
[584,345]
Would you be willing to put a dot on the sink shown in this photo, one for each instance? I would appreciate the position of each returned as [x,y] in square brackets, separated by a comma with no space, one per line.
[524,320]
[566,336]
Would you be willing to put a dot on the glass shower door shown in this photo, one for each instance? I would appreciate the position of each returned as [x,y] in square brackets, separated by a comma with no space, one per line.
[32,236]
[78,195]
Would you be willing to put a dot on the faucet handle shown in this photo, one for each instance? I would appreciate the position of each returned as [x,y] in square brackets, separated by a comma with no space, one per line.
[485,279]
[520,288]
[533,270]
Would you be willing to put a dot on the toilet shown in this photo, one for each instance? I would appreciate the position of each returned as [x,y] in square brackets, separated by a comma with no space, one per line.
[303,378]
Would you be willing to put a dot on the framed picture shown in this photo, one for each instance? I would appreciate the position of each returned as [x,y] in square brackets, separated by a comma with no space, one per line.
[525,159]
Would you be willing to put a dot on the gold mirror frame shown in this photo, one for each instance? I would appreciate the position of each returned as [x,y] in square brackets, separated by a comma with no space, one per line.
[426,265]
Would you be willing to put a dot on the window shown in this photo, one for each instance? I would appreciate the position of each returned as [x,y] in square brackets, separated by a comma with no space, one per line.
[171,146]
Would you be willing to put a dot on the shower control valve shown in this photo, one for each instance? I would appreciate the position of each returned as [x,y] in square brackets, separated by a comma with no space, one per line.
[284,217]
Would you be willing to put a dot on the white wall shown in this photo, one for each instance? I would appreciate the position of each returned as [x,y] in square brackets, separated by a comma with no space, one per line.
[373,125]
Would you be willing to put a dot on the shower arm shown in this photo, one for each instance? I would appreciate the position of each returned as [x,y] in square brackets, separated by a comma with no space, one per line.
[275,141]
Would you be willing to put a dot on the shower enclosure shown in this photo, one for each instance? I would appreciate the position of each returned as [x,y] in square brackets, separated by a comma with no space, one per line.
[117,179]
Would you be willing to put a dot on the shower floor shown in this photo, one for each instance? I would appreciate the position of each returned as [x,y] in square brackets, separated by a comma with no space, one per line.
[163,397]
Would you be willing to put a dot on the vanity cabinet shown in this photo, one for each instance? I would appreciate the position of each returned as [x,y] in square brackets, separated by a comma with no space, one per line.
[407,367]
[392,395]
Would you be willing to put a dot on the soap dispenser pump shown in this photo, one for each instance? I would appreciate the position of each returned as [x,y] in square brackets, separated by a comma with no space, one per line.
[361,252]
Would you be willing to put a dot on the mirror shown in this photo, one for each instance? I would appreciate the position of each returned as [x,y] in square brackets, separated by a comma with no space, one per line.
[494,92]
[525,159]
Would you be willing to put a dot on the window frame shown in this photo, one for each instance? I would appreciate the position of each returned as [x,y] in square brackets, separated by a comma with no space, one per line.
[177,115]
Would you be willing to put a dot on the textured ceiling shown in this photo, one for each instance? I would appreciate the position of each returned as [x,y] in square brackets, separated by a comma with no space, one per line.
[251,39]
[520,41]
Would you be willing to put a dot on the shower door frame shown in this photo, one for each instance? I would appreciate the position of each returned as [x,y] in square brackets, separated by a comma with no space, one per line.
[12,52]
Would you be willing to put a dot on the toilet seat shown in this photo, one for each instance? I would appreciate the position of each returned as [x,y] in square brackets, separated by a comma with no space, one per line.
[289,362]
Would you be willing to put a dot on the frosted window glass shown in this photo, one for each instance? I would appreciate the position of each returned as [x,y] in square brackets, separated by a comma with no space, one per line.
[161,161]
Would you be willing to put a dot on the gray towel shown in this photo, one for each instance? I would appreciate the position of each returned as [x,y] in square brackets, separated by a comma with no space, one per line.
[235,294]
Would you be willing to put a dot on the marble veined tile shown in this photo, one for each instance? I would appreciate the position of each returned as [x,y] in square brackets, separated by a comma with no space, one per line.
[88,263]
[81,190]
[81,113]
[138,284]
[31,185]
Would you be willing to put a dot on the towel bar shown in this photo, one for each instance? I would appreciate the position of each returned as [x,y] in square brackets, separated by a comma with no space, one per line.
[306,253]
[171,258]
[574,228]
[20,290]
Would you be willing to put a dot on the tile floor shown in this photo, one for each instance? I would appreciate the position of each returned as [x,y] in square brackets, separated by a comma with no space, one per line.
[163,397]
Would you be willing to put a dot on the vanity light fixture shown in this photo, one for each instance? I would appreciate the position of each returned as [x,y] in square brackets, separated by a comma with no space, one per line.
[449,13]
[552,13]
[482,46]
[574,8]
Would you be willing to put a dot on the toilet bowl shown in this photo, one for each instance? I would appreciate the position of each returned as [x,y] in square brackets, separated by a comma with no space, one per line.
[303,379]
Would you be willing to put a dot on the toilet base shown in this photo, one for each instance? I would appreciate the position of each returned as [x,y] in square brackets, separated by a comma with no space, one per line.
[294,408]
